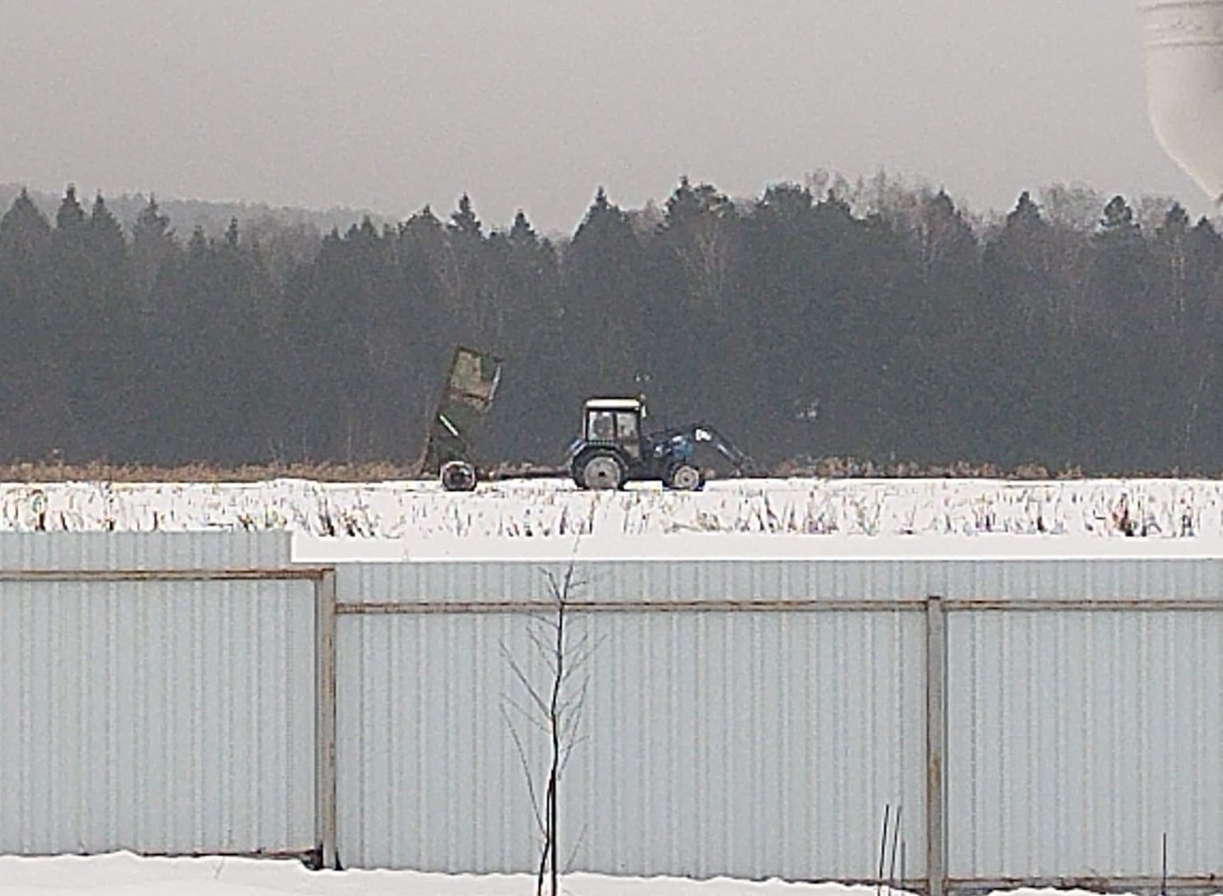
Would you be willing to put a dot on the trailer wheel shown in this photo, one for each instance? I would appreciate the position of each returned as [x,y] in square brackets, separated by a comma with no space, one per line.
[684,478]
[600,470]
[458,476]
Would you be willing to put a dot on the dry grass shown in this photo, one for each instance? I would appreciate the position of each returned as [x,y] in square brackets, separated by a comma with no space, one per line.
[853,468]
[49,471]
[382,471]
[100,471]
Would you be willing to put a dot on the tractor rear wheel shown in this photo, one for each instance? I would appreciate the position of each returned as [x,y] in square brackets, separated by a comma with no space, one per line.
[600,470]
[458,476]
[684,478]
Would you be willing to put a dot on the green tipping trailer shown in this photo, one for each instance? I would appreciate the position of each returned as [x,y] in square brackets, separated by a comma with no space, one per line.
[471,385]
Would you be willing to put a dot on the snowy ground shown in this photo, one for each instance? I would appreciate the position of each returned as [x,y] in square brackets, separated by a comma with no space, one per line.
[123,874]
[778,517]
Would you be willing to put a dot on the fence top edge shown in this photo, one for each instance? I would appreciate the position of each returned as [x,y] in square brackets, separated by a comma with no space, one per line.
[278,573]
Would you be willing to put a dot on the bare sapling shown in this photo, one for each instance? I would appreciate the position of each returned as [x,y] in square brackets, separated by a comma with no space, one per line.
[552,709]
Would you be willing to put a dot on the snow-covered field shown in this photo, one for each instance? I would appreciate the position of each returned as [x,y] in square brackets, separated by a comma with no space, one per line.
[542,518]
[555,508]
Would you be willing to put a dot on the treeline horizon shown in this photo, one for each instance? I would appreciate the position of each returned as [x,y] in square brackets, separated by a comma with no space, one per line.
[872,321]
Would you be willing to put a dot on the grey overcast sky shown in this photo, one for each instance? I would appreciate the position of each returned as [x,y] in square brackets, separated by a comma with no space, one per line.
[534,103]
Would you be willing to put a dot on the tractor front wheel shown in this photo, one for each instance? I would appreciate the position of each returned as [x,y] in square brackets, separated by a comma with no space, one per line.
[684,478]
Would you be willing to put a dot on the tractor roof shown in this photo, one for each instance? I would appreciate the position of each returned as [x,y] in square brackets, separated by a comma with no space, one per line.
[614,404]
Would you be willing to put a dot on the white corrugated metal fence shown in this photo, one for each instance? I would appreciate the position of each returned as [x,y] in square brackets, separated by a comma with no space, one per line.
[166,712]
[1055,722]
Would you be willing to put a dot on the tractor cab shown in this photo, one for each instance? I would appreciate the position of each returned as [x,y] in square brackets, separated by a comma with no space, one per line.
[615,423]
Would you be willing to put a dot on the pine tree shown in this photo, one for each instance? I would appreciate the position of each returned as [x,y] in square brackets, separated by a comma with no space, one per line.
[945,366]
[463,220]
[70,214]
[1025,407]
[27,390]
[522,234]
[67,315]
[24,230]
[153,247]
[1123,348]
[524,291]
[105,364]
[700,346]
[603,305]
[465,276]
[431,324]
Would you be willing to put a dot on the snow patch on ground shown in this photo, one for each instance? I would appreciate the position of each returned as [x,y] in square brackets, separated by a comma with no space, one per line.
[124,874]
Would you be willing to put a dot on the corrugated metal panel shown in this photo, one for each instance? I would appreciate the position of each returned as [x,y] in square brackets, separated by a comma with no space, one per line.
[654,580]
[156,716]
[745,743]
[1077,739]
[694,580]
[70,551]
[1077,579]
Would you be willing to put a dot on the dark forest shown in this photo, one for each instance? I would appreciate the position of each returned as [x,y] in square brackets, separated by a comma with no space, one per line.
[800,323]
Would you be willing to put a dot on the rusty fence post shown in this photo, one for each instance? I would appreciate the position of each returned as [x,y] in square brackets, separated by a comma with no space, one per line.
[936,731]
[325,712]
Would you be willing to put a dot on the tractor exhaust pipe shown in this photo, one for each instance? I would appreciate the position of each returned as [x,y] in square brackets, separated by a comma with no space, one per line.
[1183,48]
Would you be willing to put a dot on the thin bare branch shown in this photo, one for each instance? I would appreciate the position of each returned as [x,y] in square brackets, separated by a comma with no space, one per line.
[516,669]
[567,751]
[526,770]
[544,647]
[573,853]
[579,704]
[529,717]
[576,662]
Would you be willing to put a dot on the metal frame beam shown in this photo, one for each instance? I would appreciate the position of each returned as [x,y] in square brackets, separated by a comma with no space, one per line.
[325,720]
[936,741]
[416,608]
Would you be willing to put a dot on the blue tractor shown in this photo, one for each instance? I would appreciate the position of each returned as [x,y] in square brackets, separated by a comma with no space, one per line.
[614,449]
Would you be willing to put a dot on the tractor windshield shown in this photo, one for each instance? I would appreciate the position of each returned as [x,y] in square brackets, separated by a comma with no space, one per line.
[603,426]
